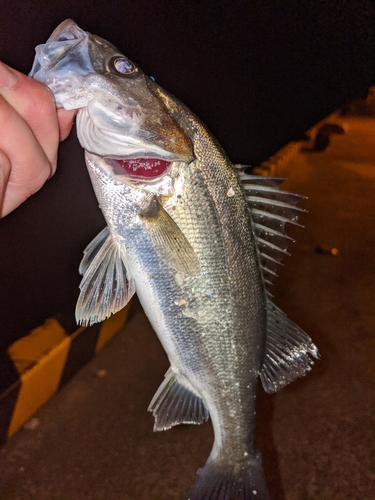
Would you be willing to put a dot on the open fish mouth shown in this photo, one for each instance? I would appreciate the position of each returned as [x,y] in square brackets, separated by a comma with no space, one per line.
[145,169]
[68,38]
[67,30]
[68,56]
[63,51]
[53,66]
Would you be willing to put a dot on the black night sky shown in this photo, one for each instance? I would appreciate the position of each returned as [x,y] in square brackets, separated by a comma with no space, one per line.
[258,73]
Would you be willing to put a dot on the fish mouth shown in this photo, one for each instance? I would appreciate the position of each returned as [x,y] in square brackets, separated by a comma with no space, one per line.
[64,40]
[67,30]
[63,61]
[69,45]
[141,169]
[68,56]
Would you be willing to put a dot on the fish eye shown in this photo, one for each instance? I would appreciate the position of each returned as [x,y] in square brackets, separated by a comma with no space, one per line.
[123,66]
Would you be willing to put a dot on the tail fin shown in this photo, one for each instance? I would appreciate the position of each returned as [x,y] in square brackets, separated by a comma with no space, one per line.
[243,481]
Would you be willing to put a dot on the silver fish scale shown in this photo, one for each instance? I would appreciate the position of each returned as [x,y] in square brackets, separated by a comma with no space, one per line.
[235,352]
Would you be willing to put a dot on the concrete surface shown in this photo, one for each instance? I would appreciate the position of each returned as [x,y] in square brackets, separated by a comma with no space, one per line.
[94,440]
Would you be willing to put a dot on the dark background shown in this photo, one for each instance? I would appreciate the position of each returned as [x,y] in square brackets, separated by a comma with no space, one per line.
[258,73]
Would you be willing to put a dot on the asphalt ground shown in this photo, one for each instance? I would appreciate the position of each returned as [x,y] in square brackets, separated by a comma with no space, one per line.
[94,440]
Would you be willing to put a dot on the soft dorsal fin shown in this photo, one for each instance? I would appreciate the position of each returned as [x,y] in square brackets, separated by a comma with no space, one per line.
[270,210]
[174,403]
[289,351]
[105,286]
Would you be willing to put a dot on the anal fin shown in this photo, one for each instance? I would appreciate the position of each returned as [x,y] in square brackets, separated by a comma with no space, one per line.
[174,404]
[289,351]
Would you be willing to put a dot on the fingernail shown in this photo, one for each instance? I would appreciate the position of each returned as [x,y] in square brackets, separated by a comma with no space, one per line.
[7,77]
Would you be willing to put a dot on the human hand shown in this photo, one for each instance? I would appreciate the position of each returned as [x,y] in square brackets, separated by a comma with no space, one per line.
[30,131]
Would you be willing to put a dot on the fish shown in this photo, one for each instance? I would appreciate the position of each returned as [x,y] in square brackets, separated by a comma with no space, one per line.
[196,237]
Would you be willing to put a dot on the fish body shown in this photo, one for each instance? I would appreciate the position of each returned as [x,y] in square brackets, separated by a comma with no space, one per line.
[195,237]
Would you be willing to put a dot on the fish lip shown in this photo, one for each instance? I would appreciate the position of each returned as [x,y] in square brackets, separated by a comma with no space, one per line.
[63,55]
[169,157]
[67,26]
[63,44]
[172,162]
[66,32]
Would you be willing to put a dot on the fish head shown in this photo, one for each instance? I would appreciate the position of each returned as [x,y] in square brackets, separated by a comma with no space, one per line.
[118,115]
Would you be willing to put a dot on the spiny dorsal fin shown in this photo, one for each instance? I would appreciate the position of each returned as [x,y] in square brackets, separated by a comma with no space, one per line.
[289,351]
[174,404]
[105,287]
[270,210]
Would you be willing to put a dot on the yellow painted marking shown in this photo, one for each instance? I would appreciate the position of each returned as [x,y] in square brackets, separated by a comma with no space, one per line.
[41,377]
[112,326]
[40,358]
[27,351]
[78,332]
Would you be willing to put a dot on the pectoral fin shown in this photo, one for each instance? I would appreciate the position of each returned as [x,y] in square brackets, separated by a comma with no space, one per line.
[169,241]
[105,286]
[92,249]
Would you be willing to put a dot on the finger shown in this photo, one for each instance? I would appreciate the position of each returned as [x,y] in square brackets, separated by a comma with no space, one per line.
[65,119]
[4,176]
[34,102]
[30,167]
